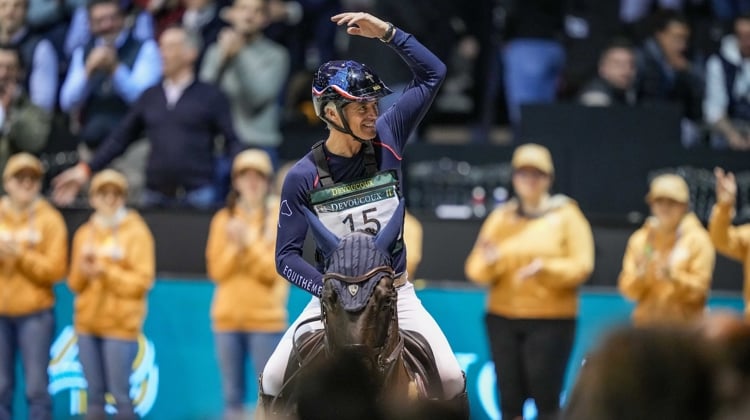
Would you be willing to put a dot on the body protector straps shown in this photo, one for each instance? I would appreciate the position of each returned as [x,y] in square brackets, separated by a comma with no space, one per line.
[365,204]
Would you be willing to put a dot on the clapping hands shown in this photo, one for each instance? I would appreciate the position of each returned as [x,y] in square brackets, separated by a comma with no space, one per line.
[726,187]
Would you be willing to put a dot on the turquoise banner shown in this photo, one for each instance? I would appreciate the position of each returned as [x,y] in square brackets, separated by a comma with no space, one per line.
[176,375]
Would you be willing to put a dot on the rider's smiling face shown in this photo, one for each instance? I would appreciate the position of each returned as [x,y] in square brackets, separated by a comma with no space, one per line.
[361,117]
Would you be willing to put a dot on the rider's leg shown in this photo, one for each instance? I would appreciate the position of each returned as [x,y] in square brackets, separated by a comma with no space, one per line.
[459,405]
[273,374]
[413,316]
[264,409]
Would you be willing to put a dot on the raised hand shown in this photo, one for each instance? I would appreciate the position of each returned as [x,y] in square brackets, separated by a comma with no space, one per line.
[726,187]
[362,24]
[230,42]
[101,57]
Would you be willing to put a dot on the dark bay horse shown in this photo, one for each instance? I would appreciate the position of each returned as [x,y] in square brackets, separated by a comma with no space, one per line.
[359,317]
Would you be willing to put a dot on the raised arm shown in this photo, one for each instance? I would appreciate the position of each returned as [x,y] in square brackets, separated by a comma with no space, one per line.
[130,83]
[729,240]
[75,88]
[121,137]
[429,72]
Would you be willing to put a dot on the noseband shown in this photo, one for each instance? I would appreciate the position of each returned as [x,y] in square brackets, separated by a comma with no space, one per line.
[359,279]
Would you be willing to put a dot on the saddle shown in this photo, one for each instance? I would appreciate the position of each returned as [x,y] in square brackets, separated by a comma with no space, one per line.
[417,358]
[420,364]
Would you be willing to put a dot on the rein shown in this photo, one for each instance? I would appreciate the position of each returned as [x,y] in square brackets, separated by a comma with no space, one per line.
[296,352]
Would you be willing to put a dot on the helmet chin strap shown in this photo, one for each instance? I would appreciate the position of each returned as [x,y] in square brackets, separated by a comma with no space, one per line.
[345,128]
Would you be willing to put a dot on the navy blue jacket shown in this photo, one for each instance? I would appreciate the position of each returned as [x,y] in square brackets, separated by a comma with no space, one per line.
[393,129]
[181,137]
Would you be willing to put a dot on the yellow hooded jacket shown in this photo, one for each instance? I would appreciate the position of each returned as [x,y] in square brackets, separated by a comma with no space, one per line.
[113,304]
[561,239]
[250,295]
[27,281]
[668,276]
[732,241]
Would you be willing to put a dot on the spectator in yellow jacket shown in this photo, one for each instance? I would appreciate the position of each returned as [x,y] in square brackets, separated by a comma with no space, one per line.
[731,241]
[112,271]
[33,257]
[249,307]
[413,241]
[669,261]
[533,253]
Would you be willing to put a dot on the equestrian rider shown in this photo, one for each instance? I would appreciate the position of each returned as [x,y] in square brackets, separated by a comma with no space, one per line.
[352,181]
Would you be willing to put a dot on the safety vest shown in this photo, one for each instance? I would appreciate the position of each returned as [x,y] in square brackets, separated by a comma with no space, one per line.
[365,204]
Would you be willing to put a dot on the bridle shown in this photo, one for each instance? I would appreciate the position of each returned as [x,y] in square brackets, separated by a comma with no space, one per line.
[384,364]
[359,279]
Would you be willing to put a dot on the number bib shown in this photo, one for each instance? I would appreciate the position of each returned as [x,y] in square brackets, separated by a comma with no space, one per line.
[367,203]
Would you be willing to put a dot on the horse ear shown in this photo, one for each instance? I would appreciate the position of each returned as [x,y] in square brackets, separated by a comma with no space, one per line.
[324,238]
[387,236]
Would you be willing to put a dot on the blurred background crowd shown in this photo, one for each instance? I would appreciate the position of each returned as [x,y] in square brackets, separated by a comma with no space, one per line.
[78,69]
[169,92]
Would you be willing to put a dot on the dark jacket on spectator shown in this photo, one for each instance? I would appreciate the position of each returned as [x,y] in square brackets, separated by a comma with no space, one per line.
[534,19]
[104,107]
[659,82]
[181,136]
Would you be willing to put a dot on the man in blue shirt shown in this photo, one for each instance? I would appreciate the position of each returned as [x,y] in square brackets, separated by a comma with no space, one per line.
[181,117]
[109,73]
[362,146]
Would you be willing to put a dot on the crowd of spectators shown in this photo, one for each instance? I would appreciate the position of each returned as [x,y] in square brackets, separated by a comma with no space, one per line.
[633,52]
[154,88]
[85,69]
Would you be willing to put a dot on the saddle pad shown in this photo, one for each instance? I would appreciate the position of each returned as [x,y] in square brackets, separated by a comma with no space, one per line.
[420,363]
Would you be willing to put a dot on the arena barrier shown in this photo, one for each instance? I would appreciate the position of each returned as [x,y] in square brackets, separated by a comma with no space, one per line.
[176,375]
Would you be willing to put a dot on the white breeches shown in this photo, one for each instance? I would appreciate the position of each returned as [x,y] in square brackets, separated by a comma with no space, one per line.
[412,316]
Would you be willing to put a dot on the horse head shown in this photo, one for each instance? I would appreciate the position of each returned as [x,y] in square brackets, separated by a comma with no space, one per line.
[359,298]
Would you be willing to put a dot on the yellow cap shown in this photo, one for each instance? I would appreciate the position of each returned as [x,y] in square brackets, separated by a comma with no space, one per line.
[21,161]
[254,159]
[669,186]
[535,156]
[108,177]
